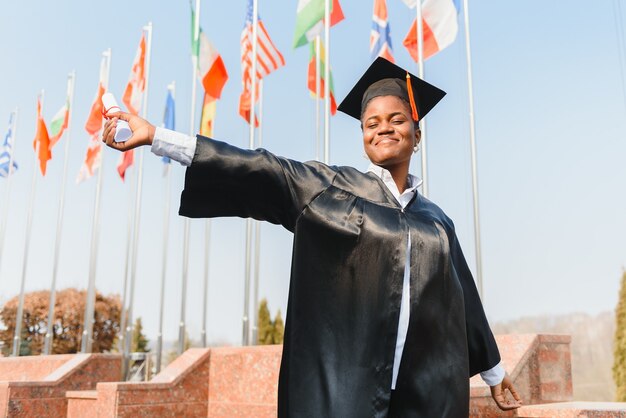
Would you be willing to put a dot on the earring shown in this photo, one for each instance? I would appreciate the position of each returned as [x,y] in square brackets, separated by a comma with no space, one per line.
[416,148]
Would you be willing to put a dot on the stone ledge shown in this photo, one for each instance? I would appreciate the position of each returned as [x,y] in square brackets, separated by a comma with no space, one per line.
[574,410]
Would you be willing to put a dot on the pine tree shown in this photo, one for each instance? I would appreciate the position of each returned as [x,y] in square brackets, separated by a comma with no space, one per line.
[619,362]
[140,342]
[278,331]
[264,324]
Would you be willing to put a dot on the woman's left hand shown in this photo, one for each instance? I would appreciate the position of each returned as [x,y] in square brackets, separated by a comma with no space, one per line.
[498,393]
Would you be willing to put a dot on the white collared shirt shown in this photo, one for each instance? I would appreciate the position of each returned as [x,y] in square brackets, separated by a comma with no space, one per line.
[181,147]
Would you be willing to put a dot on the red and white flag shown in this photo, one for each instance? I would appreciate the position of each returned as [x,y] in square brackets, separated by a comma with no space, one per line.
[133,94]
[268,58]
[440,26]
[41,143]
[93,127]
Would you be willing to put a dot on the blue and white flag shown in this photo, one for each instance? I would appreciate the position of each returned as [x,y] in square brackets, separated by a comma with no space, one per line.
[169,117]
[7,150]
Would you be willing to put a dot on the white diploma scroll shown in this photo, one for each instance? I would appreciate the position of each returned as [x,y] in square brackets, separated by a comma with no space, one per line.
[122,130]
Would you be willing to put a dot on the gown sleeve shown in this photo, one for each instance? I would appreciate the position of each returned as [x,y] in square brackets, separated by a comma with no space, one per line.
[481,344]
[224,180]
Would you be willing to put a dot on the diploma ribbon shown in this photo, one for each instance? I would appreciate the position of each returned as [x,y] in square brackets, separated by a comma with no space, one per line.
[105,112]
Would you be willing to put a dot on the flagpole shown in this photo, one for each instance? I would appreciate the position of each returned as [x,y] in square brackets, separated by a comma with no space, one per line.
[247,329]
[127,256]
[317,97]
[166,228]
[133,266]
[86,340]
[420,69]
[192,127]
[257,235]
[205,289]
[29,223]
[327,82]
[479,267]
[7,191]
[57,245]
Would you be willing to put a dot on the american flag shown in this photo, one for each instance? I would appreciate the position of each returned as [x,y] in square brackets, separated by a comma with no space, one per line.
[268,57]
[380,38]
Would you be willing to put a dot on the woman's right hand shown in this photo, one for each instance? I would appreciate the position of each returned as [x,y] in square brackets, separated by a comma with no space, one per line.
[143,131]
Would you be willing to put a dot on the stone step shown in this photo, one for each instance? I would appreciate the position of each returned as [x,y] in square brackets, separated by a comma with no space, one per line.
[35,386]
[180,390]
[574,410]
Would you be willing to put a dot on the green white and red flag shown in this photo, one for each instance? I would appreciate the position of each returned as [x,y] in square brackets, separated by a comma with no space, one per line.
[311,77]
[59,123]
[310,20]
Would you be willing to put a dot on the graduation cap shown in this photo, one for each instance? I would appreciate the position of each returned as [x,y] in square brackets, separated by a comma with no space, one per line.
[383,78]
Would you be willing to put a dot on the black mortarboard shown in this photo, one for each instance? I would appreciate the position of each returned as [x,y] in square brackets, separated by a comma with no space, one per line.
[384,78]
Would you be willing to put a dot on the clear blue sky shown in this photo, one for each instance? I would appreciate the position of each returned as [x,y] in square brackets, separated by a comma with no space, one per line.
[550,126]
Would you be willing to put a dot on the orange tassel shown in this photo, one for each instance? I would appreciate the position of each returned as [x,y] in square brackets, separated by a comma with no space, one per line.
[409,87]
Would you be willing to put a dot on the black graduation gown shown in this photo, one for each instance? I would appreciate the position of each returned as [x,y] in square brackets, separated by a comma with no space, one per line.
[349,252]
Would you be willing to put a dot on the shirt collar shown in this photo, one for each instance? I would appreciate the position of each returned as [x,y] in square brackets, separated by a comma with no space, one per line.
[384,174]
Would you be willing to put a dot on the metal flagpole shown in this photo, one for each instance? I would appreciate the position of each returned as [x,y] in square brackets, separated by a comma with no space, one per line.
[29,223]
[192,129]
[247,329]
[327,83]
[479,267]
[57,245]
[127,257]
[133,265]
[205,289]
[420,73]
[86,340]
[5,210]
[166,228]
[317,96]
[257,235]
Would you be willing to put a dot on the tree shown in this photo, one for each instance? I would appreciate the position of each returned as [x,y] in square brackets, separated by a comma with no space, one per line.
[268,331]
[67,325]
[140,342]
[279,329]
[264,325]
[619,362]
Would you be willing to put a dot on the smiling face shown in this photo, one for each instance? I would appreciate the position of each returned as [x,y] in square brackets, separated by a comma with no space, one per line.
[389,133]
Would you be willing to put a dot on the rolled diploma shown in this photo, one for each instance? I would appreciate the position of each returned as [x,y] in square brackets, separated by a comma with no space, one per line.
[122,130]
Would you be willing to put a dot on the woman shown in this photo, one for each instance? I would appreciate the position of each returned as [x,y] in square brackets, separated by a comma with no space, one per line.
[383,316]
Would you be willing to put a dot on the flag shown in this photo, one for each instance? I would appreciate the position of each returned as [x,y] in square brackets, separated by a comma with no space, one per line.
[440,26]
[59,123]
[208,116]
[169,117]
[126,160]
[41,143]
[312,76]
[310,20]
[93,159]
[268,57]
[133,94]
[132,98]
[380,37]
[211,68]
[7,151]
[93,127]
